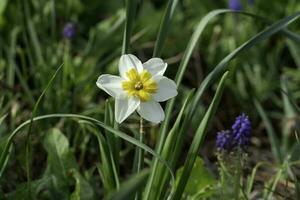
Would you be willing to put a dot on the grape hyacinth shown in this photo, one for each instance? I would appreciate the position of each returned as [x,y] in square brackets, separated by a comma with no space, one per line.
[237,137]
[223,141]
[241,131]
[69,31]
[235,5]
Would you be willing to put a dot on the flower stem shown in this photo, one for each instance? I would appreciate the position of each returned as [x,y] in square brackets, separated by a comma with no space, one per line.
[139,154]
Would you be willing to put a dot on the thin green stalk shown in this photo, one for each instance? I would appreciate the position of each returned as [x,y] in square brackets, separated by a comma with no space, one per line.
[253,174]
[28,140]
[139,155]
[141,152]
[277,177]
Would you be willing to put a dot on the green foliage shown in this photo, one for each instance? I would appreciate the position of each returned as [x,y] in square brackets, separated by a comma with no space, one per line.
[132,185]
[201,182]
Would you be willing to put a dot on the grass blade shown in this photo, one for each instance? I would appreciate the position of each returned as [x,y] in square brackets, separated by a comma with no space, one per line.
[130,187]
[164,27]
[130,15]
[271,132]
[4,153]
[109,177]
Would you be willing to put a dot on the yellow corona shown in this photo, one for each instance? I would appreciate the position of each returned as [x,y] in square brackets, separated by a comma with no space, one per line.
[139,85]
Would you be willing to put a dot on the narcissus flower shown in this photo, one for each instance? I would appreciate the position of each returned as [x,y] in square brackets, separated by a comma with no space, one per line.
[139,87]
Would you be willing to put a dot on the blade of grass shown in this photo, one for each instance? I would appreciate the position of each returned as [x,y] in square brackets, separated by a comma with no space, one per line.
[275,147]
[11,57]
[130,16]
[28,140]
[112,142]
[289,113]
[109,178]
[33,35]
[253,174]
[164,27]
[129,188]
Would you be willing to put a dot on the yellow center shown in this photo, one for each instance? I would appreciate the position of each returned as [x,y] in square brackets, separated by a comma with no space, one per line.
[139,85]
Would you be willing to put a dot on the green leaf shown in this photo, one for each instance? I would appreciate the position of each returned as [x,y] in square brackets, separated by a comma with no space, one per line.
[3,4]
[61,160]
[108,175]
[57,147]
[164,27]
[131,186]
[130,16]
[3,141]
[161,178]
[275,147]
[83,190]
[200,180]
[91,120]
[199,138]
[36,187]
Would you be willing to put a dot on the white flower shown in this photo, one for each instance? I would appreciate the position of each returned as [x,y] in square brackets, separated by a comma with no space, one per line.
[139,87]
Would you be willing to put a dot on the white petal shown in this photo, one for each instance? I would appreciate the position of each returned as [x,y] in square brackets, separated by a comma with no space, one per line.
[166,89]
[155,66]
[111,84]
[125,107]
[127,62]
[151,111]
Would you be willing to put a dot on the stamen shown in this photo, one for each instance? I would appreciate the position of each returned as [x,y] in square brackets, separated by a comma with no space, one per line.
[138,85]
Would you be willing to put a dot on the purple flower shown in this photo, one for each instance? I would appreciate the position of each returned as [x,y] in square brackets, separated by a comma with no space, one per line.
[235,5]
[236,138]
[69,31]
[241,131]
[223,141]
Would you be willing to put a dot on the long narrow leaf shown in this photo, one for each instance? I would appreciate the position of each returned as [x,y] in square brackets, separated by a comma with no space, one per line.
[129,188]
[198,139]
[155,190]
[130,15]
[164,27]
[271,132]
[94,121]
